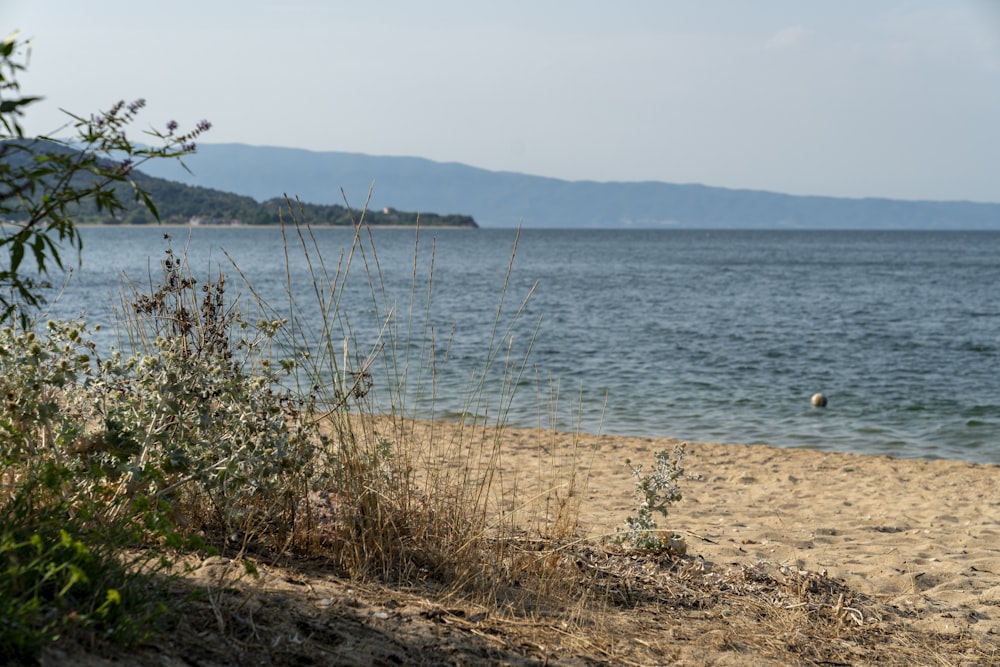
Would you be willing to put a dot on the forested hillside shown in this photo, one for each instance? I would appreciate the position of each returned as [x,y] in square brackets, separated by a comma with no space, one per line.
[179,203]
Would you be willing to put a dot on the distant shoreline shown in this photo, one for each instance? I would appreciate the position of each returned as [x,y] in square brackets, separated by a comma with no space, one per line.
[182,225]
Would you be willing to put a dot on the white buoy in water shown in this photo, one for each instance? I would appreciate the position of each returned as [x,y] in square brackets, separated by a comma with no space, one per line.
[819,400]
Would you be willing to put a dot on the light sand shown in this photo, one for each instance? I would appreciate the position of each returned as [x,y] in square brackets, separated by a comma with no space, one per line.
[920,535]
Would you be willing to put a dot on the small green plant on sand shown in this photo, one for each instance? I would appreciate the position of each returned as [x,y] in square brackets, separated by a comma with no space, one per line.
[655,491]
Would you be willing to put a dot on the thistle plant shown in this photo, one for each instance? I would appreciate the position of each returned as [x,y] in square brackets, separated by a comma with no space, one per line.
[212,429]
[655,491]
[39,373]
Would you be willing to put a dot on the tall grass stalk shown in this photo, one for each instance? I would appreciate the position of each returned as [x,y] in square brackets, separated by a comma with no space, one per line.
[401,495]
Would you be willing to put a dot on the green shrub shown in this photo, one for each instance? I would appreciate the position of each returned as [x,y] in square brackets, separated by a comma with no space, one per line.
[64,566]
[58,576]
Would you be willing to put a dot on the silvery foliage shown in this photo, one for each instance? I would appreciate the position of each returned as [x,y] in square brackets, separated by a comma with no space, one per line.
[655,491]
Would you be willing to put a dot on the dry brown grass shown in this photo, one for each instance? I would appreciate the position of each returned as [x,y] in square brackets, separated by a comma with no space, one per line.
[618,609]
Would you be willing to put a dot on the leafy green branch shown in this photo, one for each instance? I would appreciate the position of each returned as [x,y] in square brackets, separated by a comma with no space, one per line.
[45,181]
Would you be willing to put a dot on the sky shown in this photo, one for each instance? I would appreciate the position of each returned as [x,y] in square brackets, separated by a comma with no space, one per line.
[847,98]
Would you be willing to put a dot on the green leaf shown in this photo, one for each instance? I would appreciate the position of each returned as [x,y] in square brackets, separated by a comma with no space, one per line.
[148,202]
[16,255]
[10,106]
[53,251]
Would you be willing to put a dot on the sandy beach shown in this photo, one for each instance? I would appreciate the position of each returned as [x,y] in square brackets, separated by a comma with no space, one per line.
[794,557]
[920,537]
[915,533]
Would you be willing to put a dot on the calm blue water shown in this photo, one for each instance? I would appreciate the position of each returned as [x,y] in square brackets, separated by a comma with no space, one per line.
[699,335]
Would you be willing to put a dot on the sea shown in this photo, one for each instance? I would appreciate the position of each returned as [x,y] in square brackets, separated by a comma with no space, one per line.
[700,335]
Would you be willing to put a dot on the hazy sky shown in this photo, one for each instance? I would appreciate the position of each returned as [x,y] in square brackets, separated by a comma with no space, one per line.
[846,97]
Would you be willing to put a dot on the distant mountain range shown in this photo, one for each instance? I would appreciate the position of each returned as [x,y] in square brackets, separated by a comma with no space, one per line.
[503,199]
